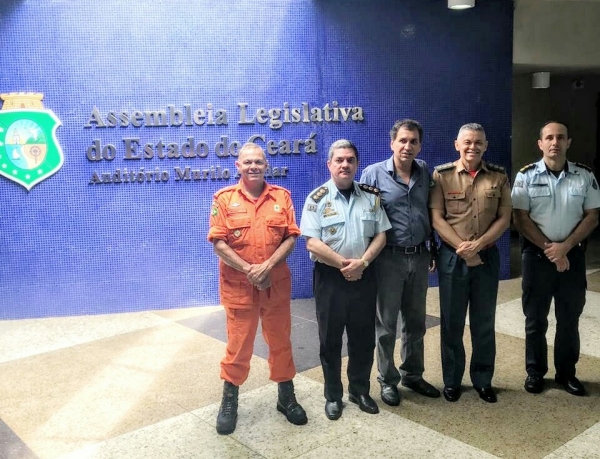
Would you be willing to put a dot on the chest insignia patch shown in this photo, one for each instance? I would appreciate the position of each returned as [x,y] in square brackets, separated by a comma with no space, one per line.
[329,212]
[234,204]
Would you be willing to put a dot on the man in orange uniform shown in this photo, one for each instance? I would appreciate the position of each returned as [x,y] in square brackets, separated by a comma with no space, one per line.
[253,229]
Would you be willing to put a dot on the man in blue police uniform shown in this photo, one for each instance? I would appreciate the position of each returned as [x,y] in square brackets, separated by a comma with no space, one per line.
[555,206]
[403,266]
[470,209]
[344,227]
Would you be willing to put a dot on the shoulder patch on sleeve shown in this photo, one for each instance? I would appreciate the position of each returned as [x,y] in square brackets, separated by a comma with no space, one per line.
[369,189]
[445,167]
[319,193]
[526,168]
[496,167]
[583,166]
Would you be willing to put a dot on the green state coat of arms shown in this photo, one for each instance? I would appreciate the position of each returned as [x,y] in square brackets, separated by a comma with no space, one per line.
[29,150]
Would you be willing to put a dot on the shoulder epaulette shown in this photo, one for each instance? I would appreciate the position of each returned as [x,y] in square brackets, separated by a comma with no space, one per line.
[445,167]
[583,166]
[318,194]
[495,167]
[369,189]
[528,167]
[224,190]
[279,188]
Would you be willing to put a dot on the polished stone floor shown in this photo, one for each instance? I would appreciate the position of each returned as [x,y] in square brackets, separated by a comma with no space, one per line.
[146,385]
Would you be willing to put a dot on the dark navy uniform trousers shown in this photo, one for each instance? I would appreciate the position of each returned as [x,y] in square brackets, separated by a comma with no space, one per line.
[340,305]
[541,283]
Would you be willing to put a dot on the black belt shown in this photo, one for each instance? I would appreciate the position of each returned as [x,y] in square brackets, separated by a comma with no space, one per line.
[407,250]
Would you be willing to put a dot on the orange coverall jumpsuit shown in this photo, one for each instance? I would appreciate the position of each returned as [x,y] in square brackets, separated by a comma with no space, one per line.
[254,230]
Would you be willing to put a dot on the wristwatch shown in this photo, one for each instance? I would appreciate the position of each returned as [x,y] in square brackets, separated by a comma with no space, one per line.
[365,262]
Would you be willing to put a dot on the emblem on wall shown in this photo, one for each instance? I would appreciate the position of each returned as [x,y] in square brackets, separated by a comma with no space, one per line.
[29,150]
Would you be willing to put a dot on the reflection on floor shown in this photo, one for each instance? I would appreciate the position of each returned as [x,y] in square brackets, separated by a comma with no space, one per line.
[146,385]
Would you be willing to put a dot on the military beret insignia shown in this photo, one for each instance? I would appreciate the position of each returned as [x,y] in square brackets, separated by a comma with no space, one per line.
[318,194]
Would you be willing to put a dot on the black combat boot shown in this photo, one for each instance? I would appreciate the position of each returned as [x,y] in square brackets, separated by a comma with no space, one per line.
[287,404]
[227,417]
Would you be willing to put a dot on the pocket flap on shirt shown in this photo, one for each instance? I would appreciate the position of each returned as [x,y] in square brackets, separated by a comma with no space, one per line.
[332,220]
[452,195]
[577,191]
[238,221]
[492,193]
[368,216]
[276,220]
[539,191]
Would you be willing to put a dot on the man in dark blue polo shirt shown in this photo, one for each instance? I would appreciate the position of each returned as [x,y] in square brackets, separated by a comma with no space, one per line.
[403,265]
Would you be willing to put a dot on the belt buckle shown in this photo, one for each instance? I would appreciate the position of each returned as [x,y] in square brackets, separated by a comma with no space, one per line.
[411,250]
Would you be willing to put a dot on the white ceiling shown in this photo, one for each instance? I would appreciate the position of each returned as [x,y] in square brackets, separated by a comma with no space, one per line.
[561,36]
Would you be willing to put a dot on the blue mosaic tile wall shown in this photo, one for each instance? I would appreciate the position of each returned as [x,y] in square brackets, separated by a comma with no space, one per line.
[72,246]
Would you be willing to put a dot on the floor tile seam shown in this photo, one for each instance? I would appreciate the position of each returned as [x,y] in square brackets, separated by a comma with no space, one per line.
[147,426]
[568,445]
[522,338]
[19,440]
[417,425]
[322,445]
[304,320]
[200,310]
[231,437]
[77,345]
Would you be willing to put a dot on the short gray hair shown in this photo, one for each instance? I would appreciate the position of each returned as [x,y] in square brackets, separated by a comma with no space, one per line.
[252,146]
[342,143]
[471,127]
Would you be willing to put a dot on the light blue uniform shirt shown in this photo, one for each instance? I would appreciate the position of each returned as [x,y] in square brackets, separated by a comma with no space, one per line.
[346,227]
[554,204]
